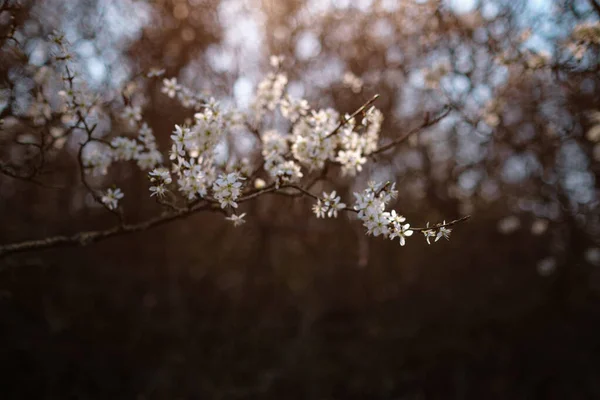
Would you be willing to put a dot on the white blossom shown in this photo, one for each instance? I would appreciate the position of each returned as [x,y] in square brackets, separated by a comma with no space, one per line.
[237,220]
[401,232]
[133,114]
[331,203]
[158,190]
[170,87]
[111,198]
[443,232]
[509,225]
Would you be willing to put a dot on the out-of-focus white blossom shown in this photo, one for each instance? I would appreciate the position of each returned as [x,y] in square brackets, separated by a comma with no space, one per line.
[592,255]
[133,114]
[546,266]
[509,225]
[170,87]
[273,142]
[276,61]
[539,227]
[125,149]
[98,160]
[237,220]
[292,109]
[269,93]
[353,82]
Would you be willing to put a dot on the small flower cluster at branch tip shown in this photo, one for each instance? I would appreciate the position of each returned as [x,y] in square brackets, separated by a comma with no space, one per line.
[328,206]
[437,232]
[371,204]
[111,198]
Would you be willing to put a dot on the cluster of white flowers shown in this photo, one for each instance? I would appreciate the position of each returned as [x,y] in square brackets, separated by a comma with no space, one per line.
[328,206]
[125,149]
[275,148]
[227,189]
[195,176]
[133,114]
[97,160]
[40,110]
[312,143]
[353,82]
[142,149]
[316,137]
[492,112]
[150,156]
[160,177]
[292,109]
[584,35]
[269,92]
[78,106]
[111,198]
[186,96]
[371,204]
[355,146]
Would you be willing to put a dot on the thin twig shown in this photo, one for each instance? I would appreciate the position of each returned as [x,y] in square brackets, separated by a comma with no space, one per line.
[438,226]
[427,122]
[351,117]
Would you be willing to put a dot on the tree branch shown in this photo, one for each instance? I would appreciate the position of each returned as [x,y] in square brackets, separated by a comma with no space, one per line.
[88,237]
[595,6]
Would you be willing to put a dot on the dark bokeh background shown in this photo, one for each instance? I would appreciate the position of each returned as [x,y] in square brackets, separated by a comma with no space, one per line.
[288,306]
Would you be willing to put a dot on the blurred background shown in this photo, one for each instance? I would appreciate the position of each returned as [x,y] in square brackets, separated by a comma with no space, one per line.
[289,306]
